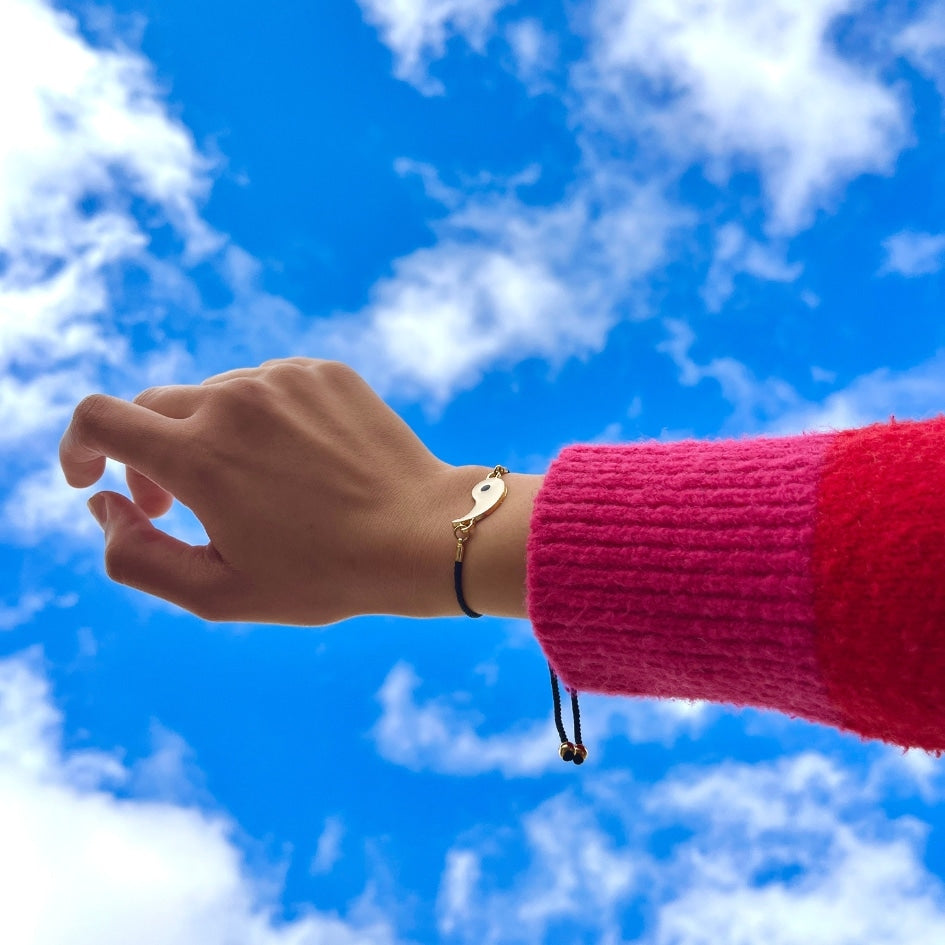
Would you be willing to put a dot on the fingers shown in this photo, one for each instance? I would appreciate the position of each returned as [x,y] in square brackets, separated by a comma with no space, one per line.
[178,402]
[256,371]
[107,426]
[151,498]
[229,375]
[140,556]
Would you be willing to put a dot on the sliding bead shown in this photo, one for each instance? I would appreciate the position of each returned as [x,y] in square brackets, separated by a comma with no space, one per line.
[566,751]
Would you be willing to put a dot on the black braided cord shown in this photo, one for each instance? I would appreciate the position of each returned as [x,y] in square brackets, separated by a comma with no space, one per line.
[555,692]
[556,698]
[576,714]
[460,597]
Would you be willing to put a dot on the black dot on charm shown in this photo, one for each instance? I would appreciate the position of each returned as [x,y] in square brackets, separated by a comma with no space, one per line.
[485,488]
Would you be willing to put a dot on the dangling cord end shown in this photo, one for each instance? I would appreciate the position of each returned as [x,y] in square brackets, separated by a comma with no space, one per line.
[569,751]
[580,752]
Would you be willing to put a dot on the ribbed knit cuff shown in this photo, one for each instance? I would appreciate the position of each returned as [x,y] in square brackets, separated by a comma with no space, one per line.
[683,570]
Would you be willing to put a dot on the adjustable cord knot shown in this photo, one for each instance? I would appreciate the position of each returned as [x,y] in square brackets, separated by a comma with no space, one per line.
[489,493]
[569,751]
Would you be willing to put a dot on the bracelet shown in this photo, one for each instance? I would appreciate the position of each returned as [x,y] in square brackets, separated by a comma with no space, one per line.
[489,494]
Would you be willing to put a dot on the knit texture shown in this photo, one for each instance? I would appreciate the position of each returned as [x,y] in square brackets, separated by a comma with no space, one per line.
[879,567]
[790,573]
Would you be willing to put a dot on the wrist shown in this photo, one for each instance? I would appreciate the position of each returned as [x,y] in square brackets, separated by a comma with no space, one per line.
[494,559]
[494,562]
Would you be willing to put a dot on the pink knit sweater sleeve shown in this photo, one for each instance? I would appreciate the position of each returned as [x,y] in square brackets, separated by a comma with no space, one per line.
[803,573]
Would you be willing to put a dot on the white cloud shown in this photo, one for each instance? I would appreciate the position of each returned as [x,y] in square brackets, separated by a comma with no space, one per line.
[24,610]
[773,406]
[898,772]
[923,42]
[739,84]
[456,902]
[916,393]
[736,253]
[417,31]
[575,874]
[30,407]
[792,851]
[505,282]
[42,503]
[914,254]
[328,849]
[756,402]
[85,132]
[79,864]
[789,852]
[534,54]
[169,773]
[439,736]
[87,142]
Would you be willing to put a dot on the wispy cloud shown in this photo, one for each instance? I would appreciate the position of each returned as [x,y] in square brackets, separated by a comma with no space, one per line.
[734,86]
[916,393]
[914,254]
[85,134]
[92,161]
[417,31]
[772,405]
[756,402]
[787,851]
[507,281]
[24,610]
[88,141]
[737,254]
[535,54]
[438,735]
[130,868]
[793,850]
[328,849]
[923,42]
[656,91]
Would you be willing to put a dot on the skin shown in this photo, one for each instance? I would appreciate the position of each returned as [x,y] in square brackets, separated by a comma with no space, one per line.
[319,501]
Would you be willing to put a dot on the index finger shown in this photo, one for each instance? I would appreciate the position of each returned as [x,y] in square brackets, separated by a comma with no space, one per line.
[104,426]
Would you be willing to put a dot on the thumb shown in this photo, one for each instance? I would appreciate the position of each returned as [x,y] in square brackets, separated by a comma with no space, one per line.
[141,556]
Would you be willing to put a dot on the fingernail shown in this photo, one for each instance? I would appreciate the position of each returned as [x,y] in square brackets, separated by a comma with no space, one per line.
[99,509]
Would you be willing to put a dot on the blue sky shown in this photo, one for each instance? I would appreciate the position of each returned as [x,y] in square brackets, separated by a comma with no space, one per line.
[527,225]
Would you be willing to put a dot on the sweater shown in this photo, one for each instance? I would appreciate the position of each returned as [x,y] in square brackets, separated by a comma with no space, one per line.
[804,574]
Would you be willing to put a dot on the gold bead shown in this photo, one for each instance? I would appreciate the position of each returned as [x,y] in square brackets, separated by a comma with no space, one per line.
[566,751]
[580,754]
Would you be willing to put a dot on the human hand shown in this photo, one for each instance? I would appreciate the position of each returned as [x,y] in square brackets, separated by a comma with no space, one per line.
[319,501]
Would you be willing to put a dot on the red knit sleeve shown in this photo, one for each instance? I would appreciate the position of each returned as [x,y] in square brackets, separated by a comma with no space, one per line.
[804,574]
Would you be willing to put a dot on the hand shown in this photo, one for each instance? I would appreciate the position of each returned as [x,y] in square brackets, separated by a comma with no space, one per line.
[319,501]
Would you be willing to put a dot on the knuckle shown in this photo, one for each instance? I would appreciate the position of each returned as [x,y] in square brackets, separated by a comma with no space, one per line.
[288,371]
[90,412]
[242,390]
[337,372]
[147,396]
[116,563]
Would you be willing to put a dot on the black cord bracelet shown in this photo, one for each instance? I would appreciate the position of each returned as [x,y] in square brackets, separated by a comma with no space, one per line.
[458,582]
[489,494]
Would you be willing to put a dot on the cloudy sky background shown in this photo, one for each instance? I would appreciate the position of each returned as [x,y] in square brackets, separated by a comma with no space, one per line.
[527,224]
